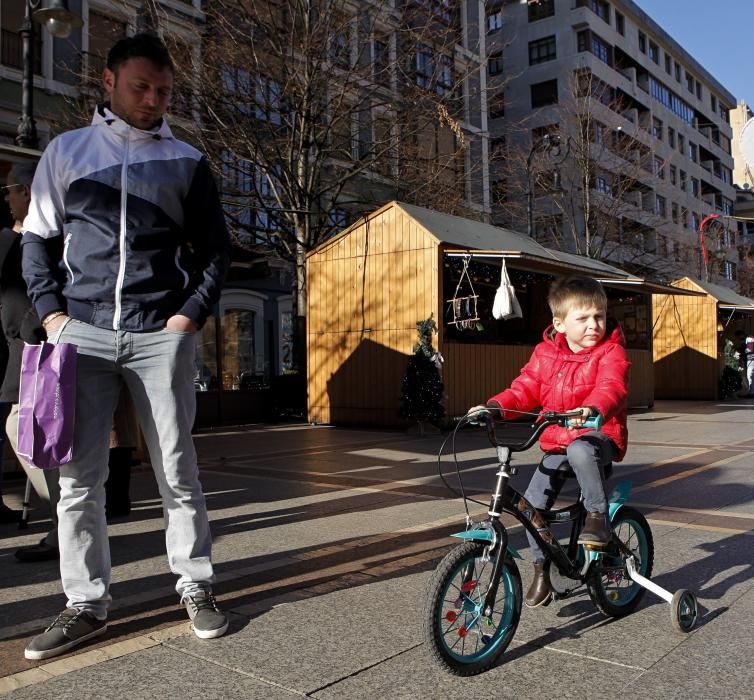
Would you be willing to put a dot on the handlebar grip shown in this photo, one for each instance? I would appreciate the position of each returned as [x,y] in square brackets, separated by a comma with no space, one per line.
[593,422]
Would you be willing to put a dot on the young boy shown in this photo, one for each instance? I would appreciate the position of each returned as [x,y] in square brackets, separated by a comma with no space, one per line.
[578,366]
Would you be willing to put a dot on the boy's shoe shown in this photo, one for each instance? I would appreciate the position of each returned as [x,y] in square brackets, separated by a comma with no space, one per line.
[70,628]
[539,592]
[207,620]
[596,532]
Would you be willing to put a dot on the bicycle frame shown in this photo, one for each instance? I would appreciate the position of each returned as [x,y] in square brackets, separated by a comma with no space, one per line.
[506,499]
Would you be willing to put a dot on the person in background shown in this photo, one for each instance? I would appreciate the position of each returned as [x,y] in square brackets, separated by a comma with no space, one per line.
[20,324]
[124,252]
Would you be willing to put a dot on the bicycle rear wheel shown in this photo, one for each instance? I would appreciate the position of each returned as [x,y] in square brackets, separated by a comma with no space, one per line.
[461,639]
[610,587]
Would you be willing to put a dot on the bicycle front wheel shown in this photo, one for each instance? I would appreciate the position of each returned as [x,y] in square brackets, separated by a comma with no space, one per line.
[461,638]
[610,587]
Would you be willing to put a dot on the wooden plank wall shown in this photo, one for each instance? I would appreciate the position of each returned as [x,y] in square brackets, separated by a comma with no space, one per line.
[473,373]
[367,291]
[684,342]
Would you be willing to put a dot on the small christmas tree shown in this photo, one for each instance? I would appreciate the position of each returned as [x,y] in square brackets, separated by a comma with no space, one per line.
[422,390]
[731,380]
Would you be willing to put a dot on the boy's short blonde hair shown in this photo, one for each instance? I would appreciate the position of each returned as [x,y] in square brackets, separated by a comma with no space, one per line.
[575,292]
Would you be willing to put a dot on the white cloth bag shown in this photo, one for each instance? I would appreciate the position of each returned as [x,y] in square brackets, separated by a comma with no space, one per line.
[506,305]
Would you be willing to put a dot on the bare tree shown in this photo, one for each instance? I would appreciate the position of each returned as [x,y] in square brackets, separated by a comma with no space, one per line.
[588,184]
[314,112]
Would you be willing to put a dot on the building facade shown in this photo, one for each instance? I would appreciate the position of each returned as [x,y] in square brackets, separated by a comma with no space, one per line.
[642,130]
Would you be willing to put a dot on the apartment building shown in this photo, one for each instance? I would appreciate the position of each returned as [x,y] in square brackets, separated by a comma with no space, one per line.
[642,131]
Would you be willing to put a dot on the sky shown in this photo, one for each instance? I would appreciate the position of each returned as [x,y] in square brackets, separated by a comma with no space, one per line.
[719,34]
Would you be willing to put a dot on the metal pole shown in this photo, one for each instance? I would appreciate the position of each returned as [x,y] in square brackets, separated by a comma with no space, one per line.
[27,128]
[529,213]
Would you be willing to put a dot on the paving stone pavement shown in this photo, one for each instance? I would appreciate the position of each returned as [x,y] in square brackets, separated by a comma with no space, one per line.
[324,539]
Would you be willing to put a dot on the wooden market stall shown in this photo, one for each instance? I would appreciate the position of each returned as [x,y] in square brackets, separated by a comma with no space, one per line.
[688,332]
[370,285]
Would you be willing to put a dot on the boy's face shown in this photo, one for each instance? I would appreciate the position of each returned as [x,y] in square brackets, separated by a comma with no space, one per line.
[583,327]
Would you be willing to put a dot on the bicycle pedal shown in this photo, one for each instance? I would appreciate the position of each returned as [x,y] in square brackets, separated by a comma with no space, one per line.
[594,546]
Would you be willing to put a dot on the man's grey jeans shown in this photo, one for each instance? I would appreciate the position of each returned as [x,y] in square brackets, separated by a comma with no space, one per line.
[158,368]
[588,456]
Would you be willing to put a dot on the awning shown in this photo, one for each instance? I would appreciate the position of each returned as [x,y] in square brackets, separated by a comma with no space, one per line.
[558,262]
[648,287]
[554,262]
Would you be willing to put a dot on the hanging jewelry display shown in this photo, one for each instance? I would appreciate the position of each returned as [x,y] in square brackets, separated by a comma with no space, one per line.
[464,307]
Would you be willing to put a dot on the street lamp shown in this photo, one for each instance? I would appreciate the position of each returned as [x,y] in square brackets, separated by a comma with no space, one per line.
[60,21]
[549,145]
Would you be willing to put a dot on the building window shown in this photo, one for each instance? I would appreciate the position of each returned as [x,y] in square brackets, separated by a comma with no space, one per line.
[698,90]
[540,10]
[677,69]
[654,52]
[423,60]
[682,180]
[242,369]
[494,20]
[673,175]
[659,168]
[728,270]
[587,41]
[497,105]
[671,137]
[642,42]
[713,103]
[542,50]
[381,60]
[693,152]
[674,212]
[657,128]
[543,94]
[690,82]
[338,218]
[600,8]
[620,23]
[444,74]
[668,64]
[602,185]
[695,187]
[495,63]
[268,106]
[660,206]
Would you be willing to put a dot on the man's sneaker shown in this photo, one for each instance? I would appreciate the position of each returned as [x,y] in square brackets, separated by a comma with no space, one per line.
[207,620]
[70,628]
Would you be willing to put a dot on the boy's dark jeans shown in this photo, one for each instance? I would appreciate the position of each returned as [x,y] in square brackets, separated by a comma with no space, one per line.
[588,456]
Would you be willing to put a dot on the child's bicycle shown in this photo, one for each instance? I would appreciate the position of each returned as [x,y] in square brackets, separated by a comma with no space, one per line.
[473,599]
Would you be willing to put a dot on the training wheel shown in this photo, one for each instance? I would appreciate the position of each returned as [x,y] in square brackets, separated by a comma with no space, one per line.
[684,610]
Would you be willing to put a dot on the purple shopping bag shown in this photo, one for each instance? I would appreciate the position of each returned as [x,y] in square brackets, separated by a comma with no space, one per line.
[47,404]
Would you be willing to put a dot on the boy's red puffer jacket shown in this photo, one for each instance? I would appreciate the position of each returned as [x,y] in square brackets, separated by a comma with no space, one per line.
[557,379]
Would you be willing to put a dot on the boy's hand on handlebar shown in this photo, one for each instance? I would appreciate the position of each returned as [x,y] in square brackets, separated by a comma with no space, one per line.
[478,414]
[578,421]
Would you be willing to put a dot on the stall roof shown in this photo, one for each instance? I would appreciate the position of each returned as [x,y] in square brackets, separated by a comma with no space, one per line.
[484,240]
[726,297]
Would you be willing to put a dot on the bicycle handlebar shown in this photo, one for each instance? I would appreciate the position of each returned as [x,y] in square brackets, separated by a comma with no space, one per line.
[545,419]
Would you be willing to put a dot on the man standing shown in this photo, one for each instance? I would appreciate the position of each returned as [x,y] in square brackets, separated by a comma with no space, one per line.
[21,325]
[124,251]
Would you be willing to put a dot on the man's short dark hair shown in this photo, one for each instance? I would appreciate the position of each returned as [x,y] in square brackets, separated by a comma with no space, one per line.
[144,45]
[23,172]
